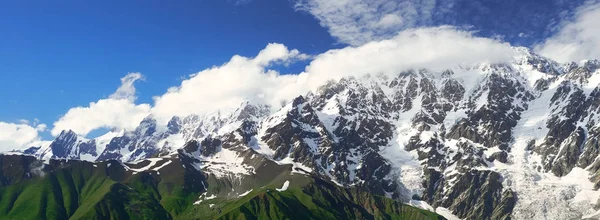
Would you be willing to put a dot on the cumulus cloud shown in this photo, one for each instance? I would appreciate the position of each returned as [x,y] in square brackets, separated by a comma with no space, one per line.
[356,22]
[117,111]
[41,127]
[226,86]
[578,39]
[18,136]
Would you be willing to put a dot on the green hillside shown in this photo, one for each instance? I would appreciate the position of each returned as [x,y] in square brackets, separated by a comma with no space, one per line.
[107,190]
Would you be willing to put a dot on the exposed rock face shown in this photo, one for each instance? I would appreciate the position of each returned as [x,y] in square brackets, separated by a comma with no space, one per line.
[16,168]
[68,145]
[485,142]
[298,135]
[571,127]
[209,146]
[473,195]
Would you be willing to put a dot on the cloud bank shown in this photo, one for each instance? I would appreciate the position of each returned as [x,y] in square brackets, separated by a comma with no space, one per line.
[578,39]
[244,78]
[434,48]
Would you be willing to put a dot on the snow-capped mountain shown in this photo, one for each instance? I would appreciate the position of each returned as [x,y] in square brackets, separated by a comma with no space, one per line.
[490,141]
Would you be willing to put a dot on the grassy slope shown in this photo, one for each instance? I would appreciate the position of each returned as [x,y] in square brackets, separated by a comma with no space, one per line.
[81,190]
[320,200]
[76,190]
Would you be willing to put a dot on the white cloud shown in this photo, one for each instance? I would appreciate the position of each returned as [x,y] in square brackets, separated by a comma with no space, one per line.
[118,111]
[356,22]
[127,89]
[578,39]
[277,53]
[432,48]
[389,21]
[18,136]
[41,127]
[105,113]
[226,86]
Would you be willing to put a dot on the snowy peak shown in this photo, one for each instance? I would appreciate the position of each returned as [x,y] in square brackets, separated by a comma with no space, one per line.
[174,125]
[68,145]
[583,73]
[147,127]
[67,136]
[250,112]
[294,132]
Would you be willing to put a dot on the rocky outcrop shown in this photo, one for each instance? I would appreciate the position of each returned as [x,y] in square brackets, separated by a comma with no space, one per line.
[473,195]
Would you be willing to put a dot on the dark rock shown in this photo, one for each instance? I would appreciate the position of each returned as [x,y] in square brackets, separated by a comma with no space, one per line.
[210,146]
[501,156]
[31,150]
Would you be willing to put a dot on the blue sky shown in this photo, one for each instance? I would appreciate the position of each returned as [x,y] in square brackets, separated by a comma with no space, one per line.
[57,55]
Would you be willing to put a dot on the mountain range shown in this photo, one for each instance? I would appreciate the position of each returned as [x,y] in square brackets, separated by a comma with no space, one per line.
[514,140]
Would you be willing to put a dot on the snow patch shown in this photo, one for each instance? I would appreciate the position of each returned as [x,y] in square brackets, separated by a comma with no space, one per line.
[446,213]
[152,163]
[203,197]
[174,141]
[284,187]
[295,165]
[163,165]
[225,163]
[246,193]
[407,168]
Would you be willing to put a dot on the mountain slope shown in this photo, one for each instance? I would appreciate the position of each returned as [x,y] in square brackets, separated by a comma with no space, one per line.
[112,190]
[321,200]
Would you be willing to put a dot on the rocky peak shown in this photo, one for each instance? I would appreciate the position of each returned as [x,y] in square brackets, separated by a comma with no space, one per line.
[147,126]
[538,62]
[248,111]
[290,129]
[70,146]
[581,73]
[174,125]
[66,136]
